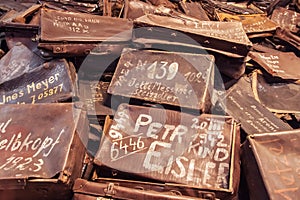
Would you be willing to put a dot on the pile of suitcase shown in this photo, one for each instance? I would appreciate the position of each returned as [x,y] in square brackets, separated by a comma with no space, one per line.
[156,99]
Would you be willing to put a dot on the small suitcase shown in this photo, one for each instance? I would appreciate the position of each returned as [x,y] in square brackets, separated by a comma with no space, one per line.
[282,65]
[255,25]
[42,153]
[286,19]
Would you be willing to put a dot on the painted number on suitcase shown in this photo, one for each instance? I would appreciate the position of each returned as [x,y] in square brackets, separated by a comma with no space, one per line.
[21,163]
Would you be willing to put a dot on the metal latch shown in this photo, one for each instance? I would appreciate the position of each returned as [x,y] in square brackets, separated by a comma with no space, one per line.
[207,195]
[109,191]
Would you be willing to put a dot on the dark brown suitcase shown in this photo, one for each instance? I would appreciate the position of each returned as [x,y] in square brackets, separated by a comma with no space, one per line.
[277,97]
[17,61]
[271,165]
[126,189]
[43,153]
[288,37]
[254,117]
[228,38]
[71,33]
[177,79]
[194,9]
[52,81]
[286,19]
[283,65]
[21,27]
[179,149]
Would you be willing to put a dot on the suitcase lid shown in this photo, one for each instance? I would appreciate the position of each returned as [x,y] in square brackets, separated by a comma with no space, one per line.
[255,23]
[50,82]
[178,79]
[16,62]
[286,19]
[172,147]
[254,117]
[284,65]
[277,97]
[277,156]
[58,26]
[38,145]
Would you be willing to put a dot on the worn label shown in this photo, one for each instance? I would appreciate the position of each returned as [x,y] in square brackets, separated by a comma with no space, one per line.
[170,146]
[30,145]
[50,82]
[168,78]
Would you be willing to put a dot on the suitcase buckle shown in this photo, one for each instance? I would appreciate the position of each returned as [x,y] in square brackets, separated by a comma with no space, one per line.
[109,191]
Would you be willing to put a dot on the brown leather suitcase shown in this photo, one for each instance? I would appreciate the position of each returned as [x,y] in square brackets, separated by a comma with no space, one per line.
[53,81]
[271,165]
[255,25]
[283,65]
[228,38]
[43,153]
[103,188]
[21,26]
[17,61]
[178,149]
[254,117]
[277,97]
[176,79]
[286,19]
[71,33]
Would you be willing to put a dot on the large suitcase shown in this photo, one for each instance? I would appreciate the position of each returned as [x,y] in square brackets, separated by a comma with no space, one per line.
[179,149]
[228,38]
[43,153]
[271,165]
[106,188]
